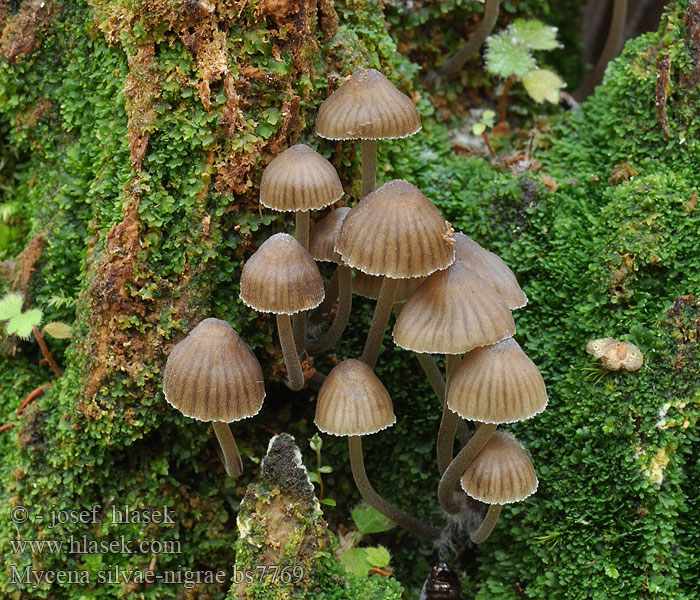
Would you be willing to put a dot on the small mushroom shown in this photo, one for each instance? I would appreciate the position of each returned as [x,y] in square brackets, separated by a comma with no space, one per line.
[300,180]
[368,107]
[282,278]
[395,232]
[615,354]
[490,267]
[353,402]
[212,375]
[452,312]
[500,474]
[491,385]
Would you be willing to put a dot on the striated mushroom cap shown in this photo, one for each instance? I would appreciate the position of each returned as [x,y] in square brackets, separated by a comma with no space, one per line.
[281,277]
[492,268]
[299,179]
[452,312]
[352,401]
[497,384]
[396,231]
[369,286]
[324,236]
[501,473]
[367,106]
[212,375]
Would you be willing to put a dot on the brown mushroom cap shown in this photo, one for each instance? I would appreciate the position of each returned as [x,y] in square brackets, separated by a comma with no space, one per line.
[212,375]
[490,267]
[324,236]
[299,179]
[367,106]
[497,384]
[396,231]
[281,277]
[452,312]
[352,401]
[501,473]
[369,286]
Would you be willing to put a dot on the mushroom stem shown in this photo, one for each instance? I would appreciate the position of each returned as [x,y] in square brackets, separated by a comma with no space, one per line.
[369,166]
[232,459]
[328,300]
[357,463]
[332,335]
[484,531]
[610,50]
[446,439]
[449,423]
[451,476]
[455,62]
[46,352]
[289,352]
[301,218]
[382,310]
[432,372]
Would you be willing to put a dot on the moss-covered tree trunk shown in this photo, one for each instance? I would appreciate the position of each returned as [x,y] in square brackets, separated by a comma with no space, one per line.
[133,136]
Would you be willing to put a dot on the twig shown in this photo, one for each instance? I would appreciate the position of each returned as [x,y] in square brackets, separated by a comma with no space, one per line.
[32,396]
[6,427]
[45,351]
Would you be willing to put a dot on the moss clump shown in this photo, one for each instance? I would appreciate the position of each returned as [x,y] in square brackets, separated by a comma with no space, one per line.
[284,549]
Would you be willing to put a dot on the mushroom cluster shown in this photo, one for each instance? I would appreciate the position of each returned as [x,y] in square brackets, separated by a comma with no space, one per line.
[451,297]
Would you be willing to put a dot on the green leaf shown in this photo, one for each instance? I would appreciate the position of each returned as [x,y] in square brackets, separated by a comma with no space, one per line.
[23,324]
[488,118]
[542,85]
[10,306]
[368,520]
[378,557]
[478,128]
[355,561]
[504,58]
[58,330]
[328,501]
[325,469]
[533,34]
[315,442]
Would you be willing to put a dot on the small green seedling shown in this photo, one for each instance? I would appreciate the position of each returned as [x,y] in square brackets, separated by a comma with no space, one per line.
[488,118]
[316,444]
[362,561]
[510,55]
[24,323]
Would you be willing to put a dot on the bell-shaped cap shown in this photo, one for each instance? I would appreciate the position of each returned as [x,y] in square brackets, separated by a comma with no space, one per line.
[324,236]
[501,473]
[497,384]
[492,268]
[299,179]
[281,277]
[367,106]
[352,401]
[369,286]
[397,232]
[452,312]
[212,375]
